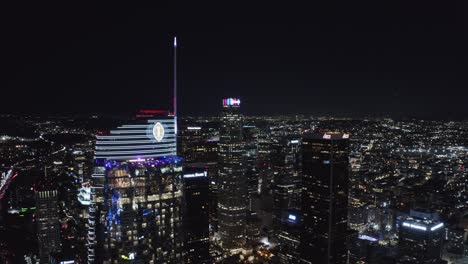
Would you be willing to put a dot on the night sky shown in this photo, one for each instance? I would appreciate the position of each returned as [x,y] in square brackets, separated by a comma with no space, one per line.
[357,58]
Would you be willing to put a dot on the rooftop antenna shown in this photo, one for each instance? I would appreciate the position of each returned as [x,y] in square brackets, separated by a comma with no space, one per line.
[175,87]
[175,78]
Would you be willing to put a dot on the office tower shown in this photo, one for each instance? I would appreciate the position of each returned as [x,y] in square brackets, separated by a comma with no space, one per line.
[324,197]
[213,198]
[286,197]
[197,142]
[196,213]
[136,199]
[232,184]
[264,151]
[288,234]
[420,239]
[47,222]
[251,154]
[286,162]
[190,136]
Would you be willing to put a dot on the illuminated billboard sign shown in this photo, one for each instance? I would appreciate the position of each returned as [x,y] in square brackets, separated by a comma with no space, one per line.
[158,131]
[138,141]
[196,174]
[231,102]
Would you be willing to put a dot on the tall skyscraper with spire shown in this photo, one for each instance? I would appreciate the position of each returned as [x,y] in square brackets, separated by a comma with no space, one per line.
[136,197]
[232,183]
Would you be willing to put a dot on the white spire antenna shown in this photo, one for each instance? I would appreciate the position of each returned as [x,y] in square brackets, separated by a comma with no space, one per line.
[175,85]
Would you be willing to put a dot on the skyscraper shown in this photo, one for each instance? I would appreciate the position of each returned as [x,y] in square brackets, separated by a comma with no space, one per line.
[287,178]
[136,194]
[196,213]
[324,197]
[420,239]
[232,198]
[48,225]
[286,197]
[251,153]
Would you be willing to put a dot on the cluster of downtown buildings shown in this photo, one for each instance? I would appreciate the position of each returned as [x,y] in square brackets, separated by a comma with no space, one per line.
[235,189]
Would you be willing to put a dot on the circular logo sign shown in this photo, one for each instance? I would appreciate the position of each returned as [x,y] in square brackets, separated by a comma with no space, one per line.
[158,131]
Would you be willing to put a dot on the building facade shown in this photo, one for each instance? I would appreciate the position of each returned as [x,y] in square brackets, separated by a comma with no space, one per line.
[324,197]
[196,213]
[420,240]
[48,225]
[136,197]
[232,183]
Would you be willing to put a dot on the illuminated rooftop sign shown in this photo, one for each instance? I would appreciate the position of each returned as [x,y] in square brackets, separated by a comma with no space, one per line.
[196,174]
[292,217]
[158,131]
[228,102]
[421,227]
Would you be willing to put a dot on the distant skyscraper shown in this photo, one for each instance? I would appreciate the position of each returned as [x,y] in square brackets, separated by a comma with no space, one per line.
[420,239]
[251,154]
[232,198]
[196,213]
[135,212]
[287,179]
[48,225]
[196,144]
[324,198]
[286,197]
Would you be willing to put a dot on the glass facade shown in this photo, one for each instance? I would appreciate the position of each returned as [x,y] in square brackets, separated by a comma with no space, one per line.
[324,197]
[136,197]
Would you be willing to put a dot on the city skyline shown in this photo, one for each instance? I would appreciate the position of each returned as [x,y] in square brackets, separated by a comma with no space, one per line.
[315,134]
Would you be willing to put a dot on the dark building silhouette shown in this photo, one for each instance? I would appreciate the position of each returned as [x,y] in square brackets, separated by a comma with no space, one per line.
[196,214]
[324,198]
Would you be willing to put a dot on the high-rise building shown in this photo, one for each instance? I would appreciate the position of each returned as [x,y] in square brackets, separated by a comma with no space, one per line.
[287,179]
[288,235]
[196,213]
[136,198]
[232,184]
[324,197]
[251,154]
[420,239]
[286,197]
[48,225]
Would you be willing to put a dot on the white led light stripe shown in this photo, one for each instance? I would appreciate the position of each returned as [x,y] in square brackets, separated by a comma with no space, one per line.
[160,146]
[133,152]
[437,226]
[113,132]
[414,226]
[133,156]
[127,142]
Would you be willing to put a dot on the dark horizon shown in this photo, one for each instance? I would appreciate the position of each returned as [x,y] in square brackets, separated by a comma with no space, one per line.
[352,59]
